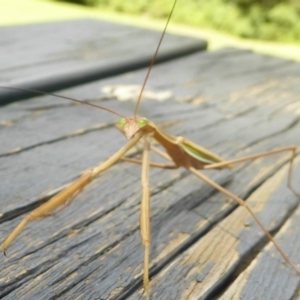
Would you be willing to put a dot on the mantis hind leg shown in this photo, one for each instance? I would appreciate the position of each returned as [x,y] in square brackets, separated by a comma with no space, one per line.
[291,149]
[244,204]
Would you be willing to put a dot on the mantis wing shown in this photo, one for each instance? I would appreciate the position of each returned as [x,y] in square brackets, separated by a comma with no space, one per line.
[184,152]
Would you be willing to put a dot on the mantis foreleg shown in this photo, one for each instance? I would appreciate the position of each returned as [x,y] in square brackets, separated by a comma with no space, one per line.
[74,189]
[151,164]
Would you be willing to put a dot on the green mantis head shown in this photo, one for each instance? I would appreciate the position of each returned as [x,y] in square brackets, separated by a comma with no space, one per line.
[130,126]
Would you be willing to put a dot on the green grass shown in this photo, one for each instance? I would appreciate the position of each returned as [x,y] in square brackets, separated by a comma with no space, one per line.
[16,12]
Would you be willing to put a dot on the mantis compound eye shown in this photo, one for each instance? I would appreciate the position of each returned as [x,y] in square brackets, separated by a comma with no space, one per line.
[142,122]
[122,122]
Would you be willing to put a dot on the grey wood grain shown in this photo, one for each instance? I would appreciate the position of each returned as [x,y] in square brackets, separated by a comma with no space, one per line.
[233,102]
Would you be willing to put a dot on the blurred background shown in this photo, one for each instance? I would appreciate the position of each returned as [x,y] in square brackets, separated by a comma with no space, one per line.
[267,26]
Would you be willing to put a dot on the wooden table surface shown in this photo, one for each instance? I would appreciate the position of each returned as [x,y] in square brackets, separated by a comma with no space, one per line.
[51,56]
[234,102]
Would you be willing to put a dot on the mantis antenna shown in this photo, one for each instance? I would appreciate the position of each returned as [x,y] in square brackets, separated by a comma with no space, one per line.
[63,97]
[98,106]
[152,62]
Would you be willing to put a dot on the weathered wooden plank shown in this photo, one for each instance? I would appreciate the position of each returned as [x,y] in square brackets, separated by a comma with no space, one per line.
[51,56]
[92,249]
[246,287]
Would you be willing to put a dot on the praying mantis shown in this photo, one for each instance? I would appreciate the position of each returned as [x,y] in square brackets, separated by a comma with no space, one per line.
[180,152]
